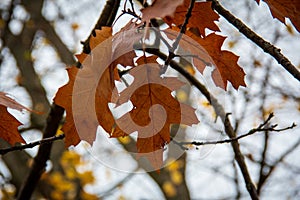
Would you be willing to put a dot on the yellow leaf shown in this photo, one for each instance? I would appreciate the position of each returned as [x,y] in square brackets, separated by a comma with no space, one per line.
[181,96]
[121,197]
[169,189]
[55,178]
[56,195]
[59,131]
[71,173]
[124,140]
[87,177]
[88,196]
[205,103]
[70,158]
[176,177]
[174,165]
[66,186]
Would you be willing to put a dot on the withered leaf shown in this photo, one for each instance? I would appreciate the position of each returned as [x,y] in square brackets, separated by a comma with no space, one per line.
[155,109]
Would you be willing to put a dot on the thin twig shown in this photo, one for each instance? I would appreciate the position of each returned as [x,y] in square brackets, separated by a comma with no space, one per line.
[251,132]
[259,41]
[31,145]
[179,36]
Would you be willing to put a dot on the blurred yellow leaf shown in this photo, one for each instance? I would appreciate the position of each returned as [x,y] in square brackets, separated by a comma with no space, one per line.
[174,165]
[176,177]
[124,140]
[88,196]
[70,158]
[56,195]
[71,173]
[181,96]
[87,177]
[121,197]
[205,103]
[75,26]
[169,189]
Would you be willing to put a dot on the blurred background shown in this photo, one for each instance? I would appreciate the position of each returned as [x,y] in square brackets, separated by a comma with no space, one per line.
[38,40]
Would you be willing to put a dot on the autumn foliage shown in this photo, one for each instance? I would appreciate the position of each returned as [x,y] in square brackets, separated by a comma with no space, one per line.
[92,87]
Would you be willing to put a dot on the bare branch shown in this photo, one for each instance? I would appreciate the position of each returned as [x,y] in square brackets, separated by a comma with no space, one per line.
[260,128]
[271,168]
[41,158]
[179,36]
[31,145]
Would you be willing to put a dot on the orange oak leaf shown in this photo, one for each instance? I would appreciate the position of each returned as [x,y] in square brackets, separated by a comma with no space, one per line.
[94,41]
[8,123]
[155,109]
[202,17]
[282,9]
[160,8]
[89,90]
[63,98]
[77,97]
[207,51]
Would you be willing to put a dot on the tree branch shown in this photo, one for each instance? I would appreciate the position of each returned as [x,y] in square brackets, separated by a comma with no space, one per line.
[259,41]
[260,128]
[65,54]
[41,158]
[179,36]
[31,145]
[271,168]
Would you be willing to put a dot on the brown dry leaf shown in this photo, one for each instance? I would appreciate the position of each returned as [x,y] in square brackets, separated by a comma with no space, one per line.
[155,109]
[78,95]
[89,90]
[207,51]
[8,123]
[202,17]
[101,35]
[160,8]
[282,9]
[63,98]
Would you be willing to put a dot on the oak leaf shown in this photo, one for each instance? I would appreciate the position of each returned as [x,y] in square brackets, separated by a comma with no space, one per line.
[89,90]
[207,52]
[8,123]
[202,17]
[155,109]
[282,9]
